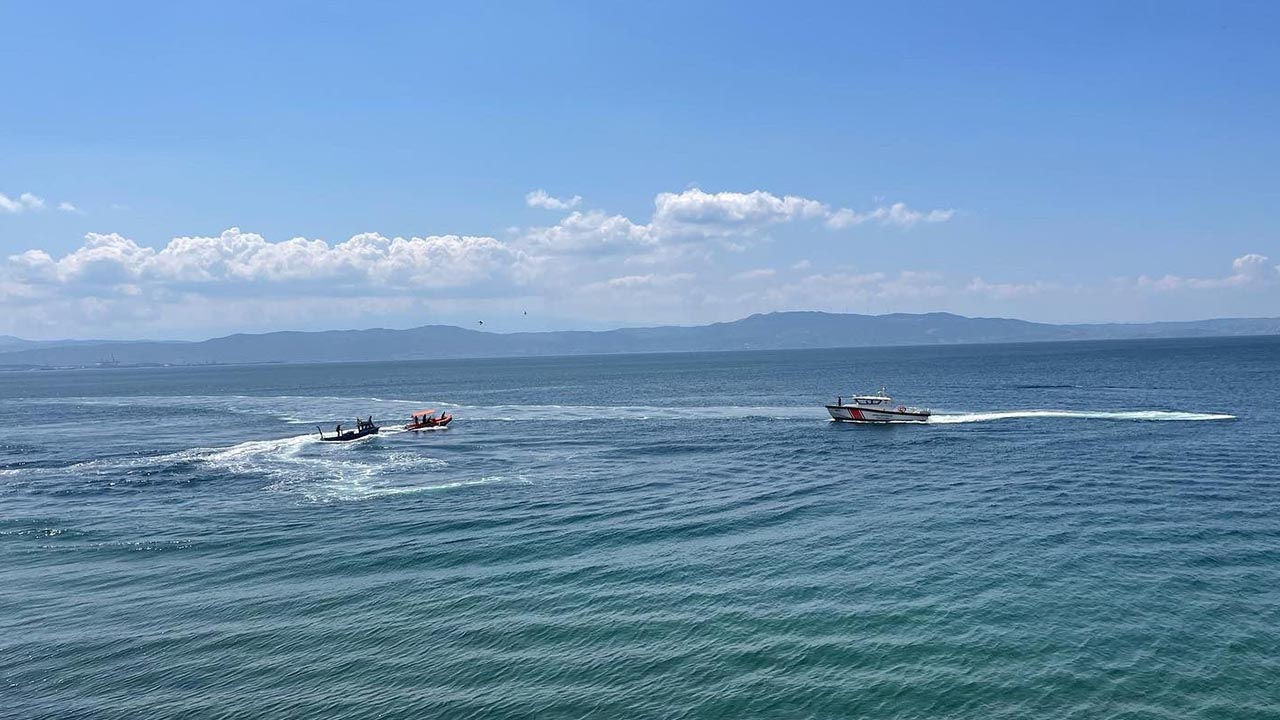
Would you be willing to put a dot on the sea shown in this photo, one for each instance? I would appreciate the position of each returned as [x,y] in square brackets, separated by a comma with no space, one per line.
[1082,530]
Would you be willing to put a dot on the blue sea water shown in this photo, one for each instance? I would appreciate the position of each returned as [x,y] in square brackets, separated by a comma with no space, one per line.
[1084,530]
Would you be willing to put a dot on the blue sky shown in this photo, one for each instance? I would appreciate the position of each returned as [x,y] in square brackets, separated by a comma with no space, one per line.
[1083,162]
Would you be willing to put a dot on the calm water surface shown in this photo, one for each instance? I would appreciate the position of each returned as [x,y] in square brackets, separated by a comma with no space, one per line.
[1085,530]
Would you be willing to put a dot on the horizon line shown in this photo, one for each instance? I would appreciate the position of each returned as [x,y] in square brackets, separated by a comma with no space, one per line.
[107,341]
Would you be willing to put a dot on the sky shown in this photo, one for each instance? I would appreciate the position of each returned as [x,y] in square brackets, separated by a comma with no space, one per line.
[187,170]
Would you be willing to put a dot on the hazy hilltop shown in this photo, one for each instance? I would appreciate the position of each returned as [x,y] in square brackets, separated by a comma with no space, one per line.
[9,343]
[784,330]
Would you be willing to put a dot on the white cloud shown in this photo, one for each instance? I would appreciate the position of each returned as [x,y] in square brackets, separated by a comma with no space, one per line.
[540,199]
[194,285]
[897,214]
[1247,270]
[24,202]
[1009,291]
[591,267]
[246,264]
[698,213]
[30,202]
[590,232]
[591,261]
[651,280]
[690,217]
[905,291]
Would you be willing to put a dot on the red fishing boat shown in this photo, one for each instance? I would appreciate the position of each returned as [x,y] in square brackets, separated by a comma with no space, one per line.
[428,420]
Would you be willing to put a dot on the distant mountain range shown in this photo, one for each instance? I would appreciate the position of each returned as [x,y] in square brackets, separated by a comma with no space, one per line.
[9,343]
[774,331]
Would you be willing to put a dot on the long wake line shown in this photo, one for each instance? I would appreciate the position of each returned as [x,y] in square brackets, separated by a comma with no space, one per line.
[1147,415]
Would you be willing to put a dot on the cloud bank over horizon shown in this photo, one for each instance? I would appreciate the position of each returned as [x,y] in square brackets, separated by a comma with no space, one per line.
[699,257]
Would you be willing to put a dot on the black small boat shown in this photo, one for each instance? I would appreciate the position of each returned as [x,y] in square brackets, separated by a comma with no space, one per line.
[363,428]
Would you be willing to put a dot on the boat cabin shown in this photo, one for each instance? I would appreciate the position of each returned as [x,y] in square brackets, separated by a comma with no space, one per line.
[872,400]
[880,398]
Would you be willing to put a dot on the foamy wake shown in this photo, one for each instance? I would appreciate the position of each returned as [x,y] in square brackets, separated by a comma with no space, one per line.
[329,472]
[1144,415]
[302,465]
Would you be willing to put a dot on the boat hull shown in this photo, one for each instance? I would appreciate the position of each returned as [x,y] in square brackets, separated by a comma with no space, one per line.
[857,413]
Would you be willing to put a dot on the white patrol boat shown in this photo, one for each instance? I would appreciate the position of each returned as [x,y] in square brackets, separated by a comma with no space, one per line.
[878,408]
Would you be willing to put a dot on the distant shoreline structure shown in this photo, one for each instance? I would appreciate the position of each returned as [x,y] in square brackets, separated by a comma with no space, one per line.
[773,331]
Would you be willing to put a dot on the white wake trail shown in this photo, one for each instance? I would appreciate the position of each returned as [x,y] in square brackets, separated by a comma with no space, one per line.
[1141,415]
